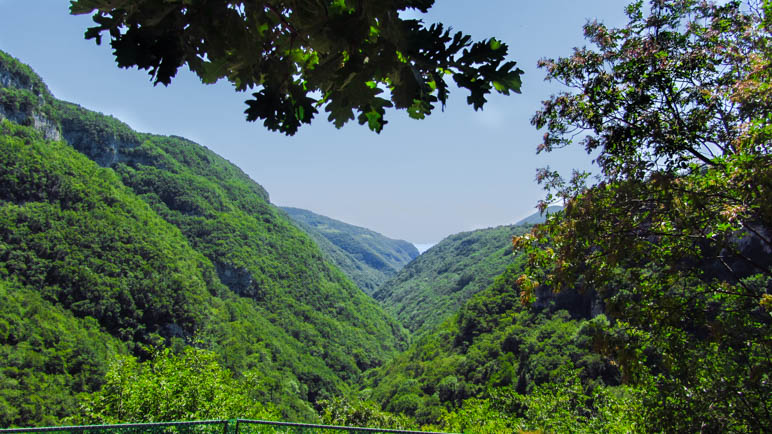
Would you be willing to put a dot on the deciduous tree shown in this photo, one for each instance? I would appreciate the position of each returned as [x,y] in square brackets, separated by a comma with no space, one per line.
[174,387]
[676,233]
[297,56]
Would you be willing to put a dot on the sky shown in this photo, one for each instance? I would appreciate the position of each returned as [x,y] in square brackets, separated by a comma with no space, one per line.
[455,171]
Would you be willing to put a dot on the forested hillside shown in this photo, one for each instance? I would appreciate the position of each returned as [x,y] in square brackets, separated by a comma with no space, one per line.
[494,352]
[673,232]
[165,243]
[145,278]
[367,257]
[436,284]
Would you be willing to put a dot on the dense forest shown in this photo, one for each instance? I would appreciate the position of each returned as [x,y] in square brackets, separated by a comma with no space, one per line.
[436,284]
[168,244]
[145,278]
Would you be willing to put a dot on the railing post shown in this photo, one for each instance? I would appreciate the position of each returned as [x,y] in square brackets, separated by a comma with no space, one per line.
[226,426]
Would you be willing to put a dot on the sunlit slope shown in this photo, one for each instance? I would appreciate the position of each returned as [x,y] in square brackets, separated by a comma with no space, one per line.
[167,242]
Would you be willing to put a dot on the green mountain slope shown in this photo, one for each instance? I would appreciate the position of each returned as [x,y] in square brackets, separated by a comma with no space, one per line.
[48,356]
[80,251]
[259,254]
[438,283]
[89,270]
[367,257]
[493,344]
[165,240]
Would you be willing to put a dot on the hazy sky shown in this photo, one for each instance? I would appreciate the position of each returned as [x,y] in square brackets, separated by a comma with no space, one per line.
[420,181]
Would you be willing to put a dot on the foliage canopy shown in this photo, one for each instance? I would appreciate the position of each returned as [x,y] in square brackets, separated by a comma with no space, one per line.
[676,235]
[497,366]
[301,55]
[172,387]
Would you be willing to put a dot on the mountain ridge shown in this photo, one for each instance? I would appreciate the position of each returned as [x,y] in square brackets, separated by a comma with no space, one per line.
[255,289]
[539,217]
[366,256]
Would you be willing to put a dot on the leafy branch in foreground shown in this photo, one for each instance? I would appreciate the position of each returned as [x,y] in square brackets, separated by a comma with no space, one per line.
[676,235]
[174,387]
[299,56]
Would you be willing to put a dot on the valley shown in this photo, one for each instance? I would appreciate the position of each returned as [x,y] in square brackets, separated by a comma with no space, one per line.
[145,278]
[137,242]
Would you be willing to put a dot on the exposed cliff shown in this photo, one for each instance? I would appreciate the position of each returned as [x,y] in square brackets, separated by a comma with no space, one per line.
[25,99]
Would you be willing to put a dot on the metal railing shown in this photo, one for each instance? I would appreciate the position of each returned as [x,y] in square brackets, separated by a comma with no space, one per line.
[233,426]
[195,427]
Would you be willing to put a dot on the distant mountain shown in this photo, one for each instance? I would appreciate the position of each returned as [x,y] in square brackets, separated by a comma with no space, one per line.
[537,217]
[438,283]
[367,257]
[112,240]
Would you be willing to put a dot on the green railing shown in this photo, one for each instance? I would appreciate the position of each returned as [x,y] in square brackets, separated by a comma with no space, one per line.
[234,426]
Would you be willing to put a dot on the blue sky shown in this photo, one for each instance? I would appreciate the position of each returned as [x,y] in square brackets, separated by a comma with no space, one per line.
[420,181]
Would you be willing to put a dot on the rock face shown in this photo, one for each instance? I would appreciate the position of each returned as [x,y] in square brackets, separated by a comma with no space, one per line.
[26,100]
[21,98]
[103,139]
[39,121]
[49,128]
[15,79]
[6,79]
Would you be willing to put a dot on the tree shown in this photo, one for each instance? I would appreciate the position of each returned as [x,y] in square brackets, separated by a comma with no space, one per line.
[357,412]
[563,405]
[300,55]
[174,387]
[675,236]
